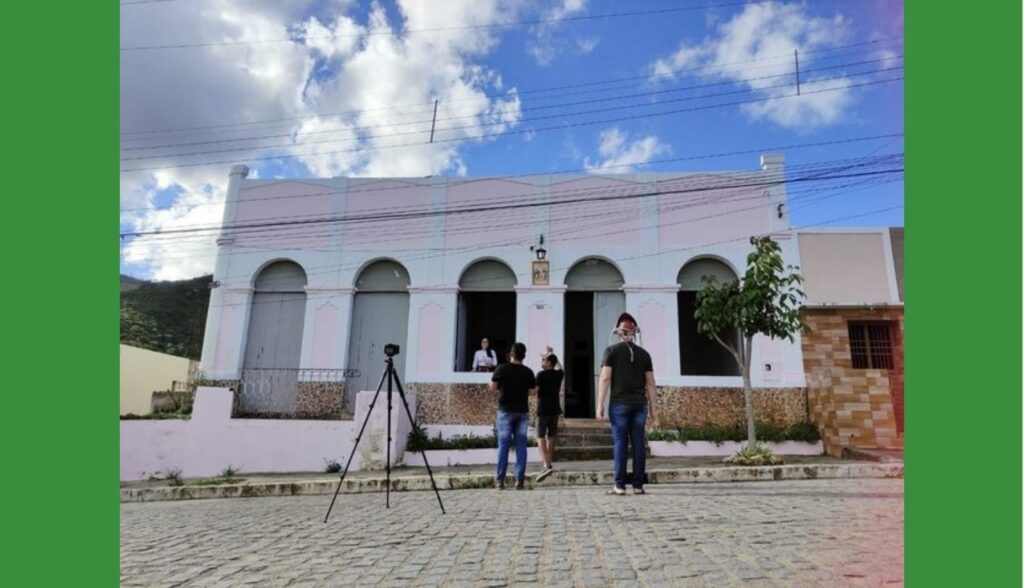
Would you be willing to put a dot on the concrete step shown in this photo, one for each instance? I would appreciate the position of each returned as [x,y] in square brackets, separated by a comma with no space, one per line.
[586,453]
[576,440]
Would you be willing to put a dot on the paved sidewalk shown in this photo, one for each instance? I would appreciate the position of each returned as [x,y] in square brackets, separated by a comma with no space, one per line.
[788,533]
[660,471]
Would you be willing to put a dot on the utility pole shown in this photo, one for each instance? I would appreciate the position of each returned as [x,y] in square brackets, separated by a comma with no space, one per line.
[434,121]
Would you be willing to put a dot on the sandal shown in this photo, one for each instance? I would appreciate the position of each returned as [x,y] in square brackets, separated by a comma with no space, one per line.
[616,492]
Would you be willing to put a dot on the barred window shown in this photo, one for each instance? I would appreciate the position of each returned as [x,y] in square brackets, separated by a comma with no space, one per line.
[871,345]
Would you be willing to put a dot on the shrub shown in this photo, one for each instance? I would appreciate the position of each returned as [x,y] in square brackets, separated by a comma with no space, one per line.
[753,455]
[418,441]
[333,466]
[228,472]
[719,434]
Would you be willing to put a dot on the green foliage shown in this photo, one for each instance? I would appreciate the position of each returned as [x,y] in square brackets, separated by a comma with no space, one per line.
[754,455]
[418,440]
[764,301]
[719,434]
[332,466]
[228,472]
[158,416]
[169,317]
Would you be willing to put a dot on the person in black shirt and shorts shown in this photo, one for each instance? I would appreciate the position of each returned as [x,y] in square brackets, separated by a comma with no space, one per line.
[627,369]
[514,383]
[549,383]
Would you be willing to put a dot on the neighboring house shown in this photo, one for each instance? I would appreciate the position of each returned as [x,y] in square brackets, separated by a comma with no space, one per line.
[854,354]
[144,372]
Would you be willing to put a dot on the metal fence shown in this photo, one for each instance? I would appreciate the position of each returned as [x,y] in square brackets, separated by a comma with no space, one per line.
[292,393]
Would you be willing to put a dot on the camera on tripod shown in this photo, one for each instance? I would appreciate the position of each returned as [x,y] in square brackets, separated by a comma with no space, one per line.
[391,349]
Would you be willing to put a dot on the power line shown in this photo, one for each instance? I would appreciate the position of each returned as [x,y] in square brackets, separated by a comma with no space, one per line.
[510,132]
[529,198]
[521,92]
[389,32]
[521,110]
[791,147]
[243,227]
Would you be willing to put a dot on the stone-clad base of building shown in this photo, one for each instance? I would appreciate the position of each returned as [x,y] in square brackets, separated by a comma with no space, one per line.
[474,404]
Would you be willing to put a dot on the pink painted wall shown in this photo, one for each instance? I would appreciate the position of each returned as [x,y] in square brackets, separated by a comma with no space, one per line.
[698,218]
[653,316]
[431,325]
[597,223]
[212,440]
[325,329]
[494,227]
[378,197]
[284,201]
[539,323]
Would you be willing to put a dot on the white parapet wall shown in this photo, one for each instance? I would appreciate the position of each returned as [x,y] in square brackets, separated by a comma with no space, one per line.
[211,441]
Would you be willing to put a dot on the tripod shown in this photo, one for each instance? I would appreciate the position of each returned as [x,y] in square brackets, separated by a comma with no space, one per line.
[391,377]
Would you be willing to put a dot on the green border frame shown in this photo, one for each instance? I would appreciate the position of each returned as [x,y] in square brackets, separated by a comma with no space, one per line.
[963,382]
[60,226]
[963,317]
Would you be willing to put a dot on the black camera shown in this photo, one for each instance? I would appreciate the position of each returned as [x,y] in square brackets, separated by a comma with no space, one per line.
[391,349]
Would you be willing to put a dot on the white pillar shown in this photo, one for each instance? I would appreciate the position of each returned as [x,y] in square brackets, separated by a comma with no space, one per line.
[655,307]
[433,312]
[325,331]
[540,321]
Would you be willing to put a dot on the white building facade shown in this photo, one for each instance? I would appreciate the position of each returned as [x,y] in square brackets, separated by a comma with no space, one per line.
[313,277]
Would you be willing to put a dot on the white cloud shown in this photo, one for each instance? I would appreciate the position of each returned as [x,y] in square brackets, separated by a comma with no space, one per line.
[548,41]
[619,155]
[381,76]
[754,48]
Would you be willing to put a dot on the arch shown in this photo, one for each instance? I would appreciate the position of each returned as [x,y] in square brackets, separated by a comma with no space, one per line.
[281,275]
[698,354]
[382,275]
[487,275]
[594,274]
[691,275]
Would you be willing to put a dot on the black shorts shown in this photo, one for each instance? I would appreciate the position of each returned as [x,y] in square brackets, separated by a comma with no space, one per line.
[547,426]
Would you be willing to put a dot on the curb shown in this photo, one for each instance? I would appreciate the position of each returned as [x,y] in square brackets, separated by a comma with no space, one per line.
[469,481]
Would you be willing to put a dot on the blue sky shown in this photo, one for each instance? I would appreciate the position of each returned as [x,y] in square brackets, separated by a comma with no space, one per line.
[495,83]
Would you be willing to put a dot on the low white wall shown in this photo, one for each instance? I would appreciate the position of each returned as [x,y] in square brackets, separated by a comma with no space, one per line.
[708,448]
[211,441]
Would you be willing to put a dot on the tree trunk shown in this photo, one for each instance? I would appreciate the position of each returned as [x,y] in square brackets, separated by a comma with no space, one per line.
[748,392]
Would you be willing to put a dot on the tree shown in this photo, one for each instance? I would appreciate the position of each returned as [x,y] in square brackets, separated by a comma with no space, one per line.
[766,301]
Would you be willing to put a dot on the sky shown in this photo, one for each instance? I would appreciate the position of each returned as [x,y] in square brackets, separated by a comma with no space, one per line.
[318,88]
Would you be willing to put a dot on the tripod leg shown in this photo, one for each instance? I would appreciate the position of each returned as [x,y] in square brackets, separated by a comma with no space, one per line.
[356,444]
[408,413]
[387,464]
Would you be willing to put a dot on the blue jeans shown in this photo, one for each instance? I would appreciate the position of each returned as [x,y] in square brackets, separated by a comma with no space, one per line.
[628,427]
[512,426]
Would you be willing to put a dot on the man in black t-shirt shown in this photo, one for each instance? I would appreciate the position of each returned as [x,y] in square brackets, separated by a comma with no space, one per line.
[627,369]
[514,383]
[549,383]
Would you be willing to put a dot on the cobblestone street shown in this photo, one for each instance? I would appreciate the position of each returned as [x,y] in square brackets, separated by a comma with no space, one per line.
[799,533]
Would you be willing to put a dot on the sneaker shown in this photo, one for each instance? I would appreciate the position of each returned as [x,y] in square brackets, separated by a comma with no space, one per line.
[545,473]
[499,485]
[520,485]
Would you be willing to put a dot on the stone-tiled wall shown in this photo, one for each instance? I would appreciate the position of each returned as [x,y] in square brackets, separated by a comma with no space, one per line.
[852,407]
[724,406]
[458,404]
[474,404]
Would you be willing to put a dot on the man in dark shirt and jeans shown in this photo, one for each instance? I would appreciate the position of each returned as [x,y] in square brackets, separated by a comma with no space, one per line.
[514,383]
[628,370]
[549,384]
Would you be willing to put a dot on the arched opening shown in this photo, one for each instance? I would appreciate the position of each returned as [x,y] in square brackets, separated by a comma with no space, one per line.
[698,354]
[487,310]
[274,341]
[380,315]
[593,301]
